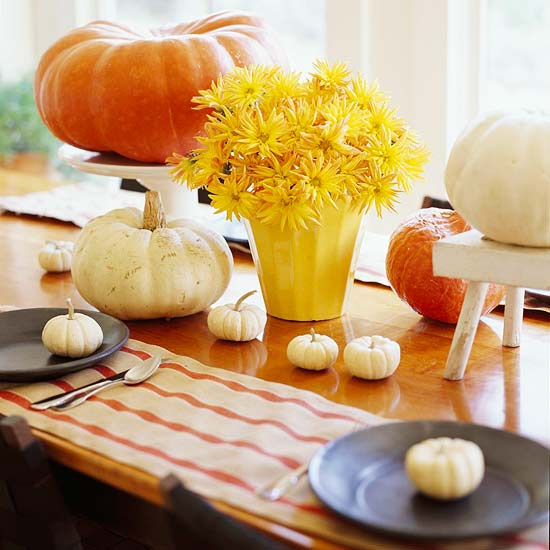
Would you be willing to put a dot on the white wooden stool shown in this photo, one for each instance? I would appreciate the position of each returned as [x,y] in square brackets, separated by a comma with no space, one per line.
[481,261]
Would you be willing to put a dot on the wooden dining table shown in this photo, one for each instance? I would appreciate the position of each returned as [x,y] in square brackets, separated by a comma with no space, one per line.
[506,388]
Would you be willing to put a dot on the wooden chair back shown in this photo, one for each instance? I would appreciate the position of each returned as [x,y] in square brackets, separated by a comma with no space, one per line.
[32,513]
[197,525]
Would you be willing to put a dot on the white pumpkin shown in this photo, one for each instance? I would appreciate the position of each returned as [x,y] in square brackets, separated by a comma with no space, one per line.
[312,351]
[372,357]
[237,322]
[55,256]
[134,265]
[498,177]
[445,468]
[72,335]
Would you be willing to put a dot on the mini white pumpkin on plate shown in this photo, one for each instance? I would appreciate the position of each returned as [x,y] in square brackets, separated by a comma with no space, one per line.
[445,468]
[312,351]
[72,335]
[56,256]
[238,322]
[372,357]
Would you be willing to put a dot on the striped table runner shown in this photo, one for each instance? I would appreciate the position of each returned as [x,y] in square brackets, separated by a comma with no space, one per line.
[224,434]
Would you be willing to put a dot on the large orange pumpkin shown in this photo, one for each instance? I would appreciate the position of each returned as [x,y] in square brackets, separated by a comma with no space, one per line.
[410,272]
[108,87]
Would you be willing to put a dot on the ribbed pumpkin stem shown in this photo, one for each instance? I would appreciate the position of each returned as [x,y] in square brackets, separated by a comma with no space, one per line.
[153,213]
[242,299]
[313,334]
[71,309]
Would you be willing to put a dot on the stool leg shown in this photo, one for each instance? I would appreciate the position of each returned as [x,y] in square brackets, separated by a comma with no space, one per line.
[513,316]
[465,330]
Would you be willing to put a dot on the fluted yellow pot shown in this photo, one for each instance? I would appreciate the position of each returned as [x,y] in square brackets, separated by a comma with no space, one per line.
[307,275]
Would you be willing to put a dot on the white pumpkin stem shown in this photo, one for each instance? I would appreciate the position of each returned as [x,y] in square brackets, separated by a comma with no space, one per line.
[313,334]
[153,213]
[242,299]
[70,316]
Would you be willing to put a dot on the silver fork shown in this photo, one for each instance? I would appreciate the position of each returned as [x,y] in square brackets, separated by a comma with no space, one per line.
[280,486]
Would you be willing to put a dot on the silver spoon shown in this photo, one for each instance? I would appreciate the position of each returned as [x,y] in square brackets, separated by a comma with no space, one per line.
[135,375]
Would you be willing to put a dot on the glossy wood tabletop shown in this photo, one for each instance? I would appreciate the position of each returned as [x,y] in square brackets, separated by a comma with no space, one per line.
[505,388]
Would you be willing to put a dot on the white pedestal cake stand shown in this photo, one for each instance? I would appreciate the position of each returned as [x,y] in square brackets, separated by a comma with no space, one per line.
[178,200]
[481,261]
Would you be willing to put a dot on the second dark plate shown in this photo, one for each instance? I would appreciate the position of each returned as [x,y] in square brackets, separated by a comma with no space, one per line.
[361,476]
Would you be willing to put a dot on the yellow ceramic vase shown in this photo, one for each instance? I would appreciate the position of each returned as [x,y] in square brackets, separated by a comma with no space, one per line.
[307,275]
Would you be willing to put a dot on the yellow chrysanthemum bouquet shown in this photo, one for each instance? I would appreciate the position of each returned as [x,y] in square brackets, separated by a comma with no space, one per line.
[279,149]
[301,161]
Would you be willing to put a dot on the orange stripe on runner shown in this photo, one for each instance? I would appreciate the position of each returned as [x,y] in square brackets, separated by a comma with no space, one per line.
[61,384]
[141,354]
[105,371]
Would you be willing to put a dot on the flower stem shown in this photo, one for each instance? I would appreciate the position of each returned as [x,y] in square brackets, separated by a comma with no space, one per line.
[237,306]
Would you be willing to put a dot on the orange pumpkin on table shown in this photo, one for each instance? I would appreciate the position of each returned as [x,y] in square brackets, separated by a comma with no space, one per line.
[410,272]
[108,87]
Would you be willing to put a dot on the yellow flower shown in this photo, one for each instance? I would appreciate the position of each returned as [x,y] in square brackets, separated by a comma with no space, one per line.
[301,116]
[322,179]
[354,170]
[286,204]
[274,168]
[285,85]
[365,95]
[390,155]
[340,109]
[259,135]
[211,98]
[221,126]
[232,197]
[381,117]
[184,170]
[382,191]
[213,162]
[328,137]
[243,86]
[327,77]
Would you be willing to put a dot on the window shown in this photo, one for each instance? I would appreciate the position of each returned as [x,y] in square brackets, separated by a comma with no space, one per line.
[515,64]
[298,23]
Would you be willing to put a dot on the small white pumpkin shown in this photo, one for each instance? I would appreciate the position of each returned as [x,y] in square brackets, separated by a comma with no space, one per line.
[312,351]
[498,176]
[72,335]
[237,322]
[372,357]
[445,468]
[134,265]
[56,256]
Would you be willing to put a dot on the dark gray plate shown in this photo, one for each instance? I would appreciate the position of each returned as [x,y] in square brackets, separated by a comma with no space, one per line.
[361,476]
[23,357]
